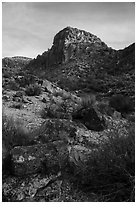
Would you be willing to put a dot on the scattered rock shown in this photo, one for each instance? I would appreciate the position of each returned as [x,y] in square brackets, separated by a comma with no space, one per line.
[44,100]
[117,115]
[5,97]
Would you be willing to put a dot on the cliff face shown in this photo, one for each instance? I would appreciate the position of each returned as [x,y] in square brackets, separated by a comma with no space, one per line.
[67,44]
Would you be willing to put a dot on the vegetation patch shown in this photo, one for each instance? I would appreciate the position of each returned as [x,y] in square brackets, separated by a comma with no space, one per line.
[14,133]
[110,171]
[121,103]
[33,90]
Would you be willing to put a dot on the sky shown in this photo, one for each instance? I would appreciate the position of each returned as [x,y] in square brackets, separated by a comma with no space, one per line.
[28,28]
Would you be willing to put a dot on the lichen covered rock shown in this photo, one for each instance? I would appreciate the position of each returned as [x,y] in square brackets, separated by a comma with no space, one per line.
[28,160]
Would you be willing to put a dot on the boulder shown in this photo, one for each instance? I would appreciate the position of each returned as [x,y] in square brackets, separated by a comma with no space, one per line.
[6,98]
[46,158]
[117,115]
[28,159]
[90,118]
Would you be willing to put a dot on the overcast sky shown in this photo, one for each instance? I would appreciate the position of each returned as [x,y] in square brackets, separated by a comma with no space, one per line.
[28,28]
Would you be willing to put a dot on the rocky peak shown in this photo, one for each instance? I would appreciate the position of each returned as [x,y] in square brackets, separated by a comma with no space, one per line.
[73,35]
[68,44]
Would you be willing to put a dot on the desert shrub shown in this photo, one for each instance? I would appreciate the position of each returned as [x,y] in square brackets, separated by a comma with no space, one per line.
[110,171]
[104,108]
[57,93]
[54,111]
[6,74]
[44,113]
[12,85]
[17,105]
[23,81]
[67,84]
[49,112]
[121,103]
[14,133]
[88,100]
[18,94]
[65,95]
[33,90]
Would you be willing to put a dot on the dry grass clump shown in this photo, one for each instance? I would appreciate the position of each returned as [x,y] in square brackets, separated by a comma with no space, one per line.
[14,133]
[88,101]
[12,85]
[17,106]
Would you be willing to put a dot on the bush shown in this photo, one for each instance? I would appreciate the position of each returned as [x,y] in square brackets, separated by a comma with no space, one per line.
[33,90]
[121,103]
[17,105]
[104,108]
[14,133]
[44,113]
[88,101]
[110,171]
[18,94]
[12,85]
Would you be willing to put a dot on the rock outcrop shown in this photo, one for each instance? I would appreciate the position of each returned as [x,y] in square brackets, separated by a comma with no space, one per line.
[67,45]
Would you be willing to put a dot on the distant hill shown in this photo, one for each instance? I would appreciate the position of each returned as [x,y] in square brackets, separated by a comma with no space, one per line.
[17,61]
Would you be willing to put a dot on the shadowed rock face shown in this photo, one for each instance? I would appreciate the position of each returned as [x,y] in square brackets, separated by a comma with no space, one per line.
[90,119]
